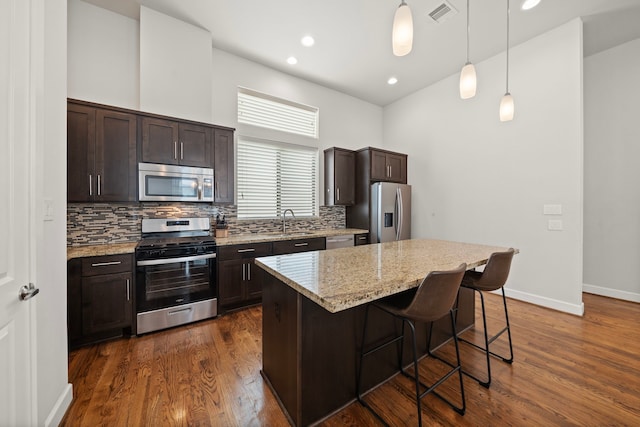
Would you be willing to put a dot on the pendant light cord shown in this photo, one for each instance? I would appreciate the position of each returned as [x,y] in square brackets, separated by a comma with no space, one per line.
[467,31]
[507,46]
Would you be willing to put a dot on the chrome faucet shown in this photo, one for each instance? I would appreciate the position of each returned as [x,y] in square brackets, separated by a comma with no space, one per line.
[284,217]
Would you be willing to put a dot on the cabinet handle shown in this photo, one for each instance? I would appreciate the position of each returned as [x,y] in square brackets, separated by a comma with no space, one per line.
[241,251]
[99,186]
[243,271]
[175,150]
[104,264]
[128,290]
[181,150]
[249,271]
[297,245]
[338,193]
[90,185]
[362,237]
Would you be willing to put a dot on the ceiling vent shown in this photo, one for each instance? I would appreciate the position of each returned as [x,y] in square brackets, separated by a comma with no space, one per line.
[442,12]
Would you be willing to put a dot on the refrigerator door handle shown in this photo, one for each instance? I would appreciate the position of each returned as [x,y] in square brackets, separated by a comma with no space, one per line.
[399,213]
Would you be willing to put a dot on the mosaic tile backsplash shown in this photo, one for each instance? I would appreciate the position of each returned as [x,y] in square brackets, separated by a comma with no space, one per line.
[100,223]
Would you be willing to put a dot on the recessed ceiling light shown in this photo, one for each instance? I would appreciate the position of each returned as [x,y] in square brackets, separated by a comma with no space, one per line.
[307,41]
[529,4]
[392,80]
[292,60]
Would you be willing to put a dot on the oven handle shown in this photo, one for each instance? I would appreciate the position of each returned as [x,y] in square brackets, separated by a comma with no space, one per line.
[172,260]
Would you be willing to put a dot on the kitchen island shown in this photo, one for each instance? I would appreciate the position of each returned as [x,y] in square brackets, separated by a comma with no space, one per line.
[313,311]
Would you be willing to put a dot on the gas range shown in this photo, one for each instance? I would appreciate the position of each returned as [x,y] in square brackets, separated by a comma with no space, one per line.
[168,238]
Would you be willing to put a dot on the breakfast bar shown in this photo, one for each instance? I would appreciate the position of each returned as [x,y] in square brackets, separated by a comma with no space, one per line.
[313,311]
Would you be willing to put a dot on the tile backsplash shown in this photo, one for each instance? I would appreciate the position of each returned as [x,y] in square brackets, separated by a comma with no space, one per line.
[100,223]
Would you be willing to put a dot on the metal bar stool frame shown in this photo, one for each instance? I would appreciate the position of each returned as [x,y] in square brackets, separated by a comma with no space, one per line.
[500,261]
[415,377]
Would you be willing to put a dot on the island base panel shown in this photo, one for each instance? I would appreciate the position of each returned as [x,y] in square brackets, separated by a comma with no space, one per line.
[311,356]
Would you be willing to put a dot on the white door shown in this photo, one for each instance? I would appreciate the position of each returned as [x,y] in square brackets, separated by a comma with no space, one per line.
[16,376]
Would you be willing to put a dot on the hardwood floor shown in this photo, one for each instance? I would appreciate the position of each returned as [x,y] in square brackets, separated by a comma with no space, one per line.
[568,370]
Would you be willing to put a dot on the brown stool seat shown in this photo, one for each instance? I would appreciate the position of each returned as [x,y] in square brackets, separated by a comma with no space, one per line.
[433,300]
[493,277]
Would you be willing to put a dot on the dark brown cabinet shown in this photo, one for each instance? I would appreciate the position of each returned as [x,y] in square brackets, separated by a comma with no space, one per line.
[339,176]
[223,166]
[299,245]
[373,165]
[239,280]
[176,143]
[387,166]
[99,298]
[101,154]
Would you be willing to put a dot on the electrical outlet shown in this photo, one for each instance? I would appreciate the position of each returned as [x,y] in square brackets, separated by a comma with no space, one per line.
[555,225]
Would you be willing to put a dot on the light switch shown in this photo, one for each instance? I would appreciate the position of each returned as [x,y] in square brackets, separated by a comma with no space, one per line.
[555,225]
[48,210]
[552,209]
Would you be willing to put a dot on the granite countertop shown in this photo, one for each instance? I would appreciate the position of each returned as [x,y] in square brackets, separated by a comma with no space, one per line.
[340,279]
[130,247]
[99,250]
[273,237]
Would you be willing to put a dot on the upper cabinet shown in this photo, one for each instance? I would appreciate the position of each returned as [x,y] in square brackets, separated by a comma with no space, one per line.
[176,143]
[388,166]
[101,154]
[339,176]
[223,167]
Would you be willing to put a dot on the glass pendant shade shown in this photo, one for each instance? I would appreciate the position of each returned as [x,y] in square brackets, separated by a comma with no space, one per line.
[402,36]
[507,108]
[468,81]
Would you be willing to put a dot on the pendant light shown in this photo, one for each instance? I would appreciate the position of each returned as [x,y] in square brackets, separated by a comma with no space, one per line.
[506,104]
[402,35]
[468,80]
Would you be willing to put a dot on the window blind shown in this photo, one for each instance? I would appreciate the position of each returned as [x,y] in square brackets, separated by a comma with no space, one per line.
[266,111]
[273,177]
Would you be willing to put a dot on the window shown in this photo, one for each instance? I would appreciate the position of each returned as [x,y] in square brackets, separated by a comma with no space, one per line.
[259,109]
[274,176]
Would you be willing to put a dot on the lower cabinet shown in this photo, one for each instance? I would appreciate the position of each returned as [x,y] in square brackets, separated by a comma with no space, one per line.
[100,298]
[361,239]
[239,280]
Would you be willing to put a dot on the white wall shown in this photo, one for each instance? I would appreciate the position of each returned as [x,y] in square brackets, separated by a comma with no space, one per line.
[103,56]
[612,150]
[476,179]
[54,394]
[175,67]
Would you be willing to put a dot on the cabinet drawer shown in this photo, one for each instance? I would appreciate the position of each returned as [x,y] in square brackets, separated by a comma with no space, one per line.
[97,265]
[362,239]
[298,245]
[249,250]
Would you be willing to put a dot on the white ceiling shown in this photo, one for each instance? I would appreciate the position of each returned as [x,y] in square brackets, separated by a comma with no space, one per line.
[353,54]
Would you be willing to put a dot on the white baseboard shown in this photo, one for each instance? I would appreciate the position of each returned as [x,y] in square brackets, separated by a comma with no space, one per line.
[577,309]
[60,408]
[611,293]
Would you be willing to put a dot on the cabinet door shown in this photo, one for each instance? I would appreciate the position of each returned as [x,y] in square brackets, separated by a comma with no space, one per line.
[230,277]
[194,148]
[223,168]
[379,170]
[106,302]
[396,168]
[254,277]
[81,139]
[115,159]
[344,177]
[159,141]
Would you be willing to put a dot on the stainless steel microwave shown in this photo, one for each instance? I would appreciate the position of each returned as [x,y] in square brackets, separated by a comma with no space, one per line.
[169,183]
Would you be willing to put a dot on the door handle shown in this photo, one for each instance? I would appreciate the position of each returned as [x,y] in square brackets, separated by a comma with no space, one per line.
[90,185]
[128,290]
[27,292]
[244,274]
[99,186]
[338,193]
[249,271]
[181,150]
[175,150]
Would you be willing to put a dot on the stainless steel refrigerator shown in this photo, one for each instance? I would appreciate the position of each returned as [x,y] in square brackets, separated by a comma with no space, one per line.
[390,212]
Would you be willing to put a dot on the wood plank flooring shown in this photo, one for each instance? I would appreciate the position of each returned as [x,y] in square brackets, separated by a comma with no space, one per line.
[568,371]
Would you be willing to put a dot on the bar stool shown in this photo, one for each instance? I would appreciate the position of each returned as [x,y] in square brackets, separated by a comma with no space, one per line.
[434,299]
[492,278]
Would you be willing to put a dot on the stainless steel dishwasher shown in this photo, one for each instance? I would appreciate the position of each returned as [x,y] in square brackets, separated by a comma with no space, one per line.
[341,241]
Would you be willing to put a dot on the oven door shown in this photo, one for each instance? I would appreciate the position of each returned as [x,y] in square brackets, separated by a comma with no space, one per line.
[171,282]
